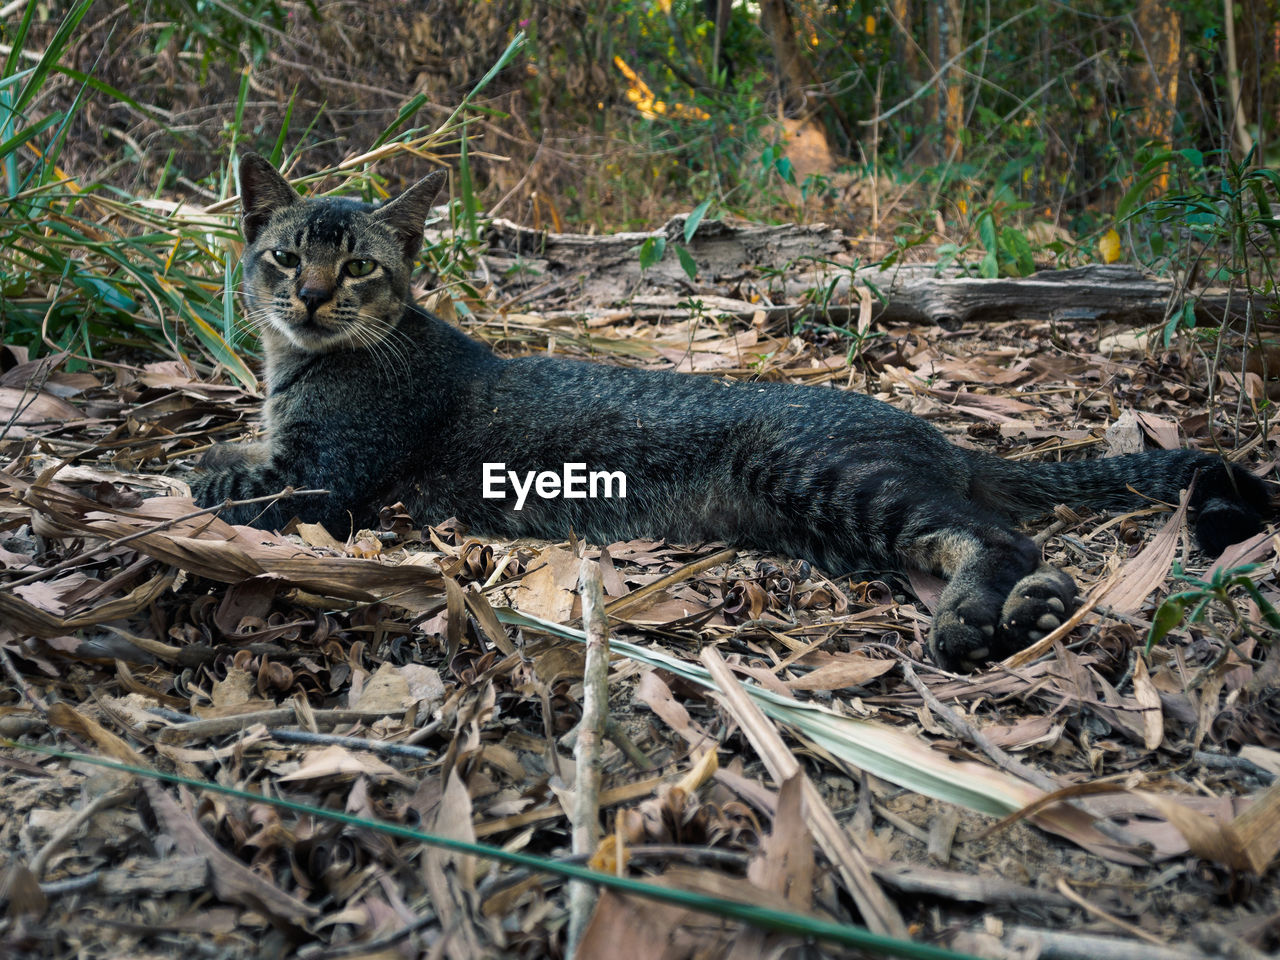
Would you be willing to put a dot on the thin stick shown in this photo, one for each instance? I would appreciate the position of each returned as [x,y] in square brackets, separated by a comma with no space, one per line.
[878,912]
[614,608]
[281,716]
[419,754]
[1134,931]
[966,731]
[74,823]
[1060,945]
[21,684]
[586,753]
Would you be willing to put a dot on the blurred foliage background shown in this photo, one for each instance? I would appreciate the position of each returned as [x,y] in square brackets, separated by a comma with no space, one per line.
[1015,131]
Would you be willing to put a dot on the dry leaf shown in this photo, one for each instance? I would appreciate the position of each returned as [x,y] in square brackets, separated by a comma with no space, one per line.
[547,590]
[849,670]
[338,762]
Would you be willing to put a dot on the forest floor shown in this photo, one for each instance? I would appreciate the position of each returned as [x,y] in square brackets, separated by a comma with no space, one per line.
[387,674]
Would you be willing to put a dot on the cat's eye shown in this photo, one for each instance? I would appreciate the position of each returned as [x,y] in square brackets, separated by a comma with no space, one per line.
[360,268]
[286,258]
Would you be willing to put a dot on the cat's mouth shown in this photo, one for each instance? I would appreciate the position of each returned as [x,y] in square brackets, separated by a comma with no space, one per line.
[308,332]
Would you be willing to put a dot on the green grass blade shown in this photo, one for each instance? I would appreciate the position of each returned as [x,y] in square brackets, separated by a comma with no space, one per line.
[516,43]
[18,43]
[781,921]
[52,52]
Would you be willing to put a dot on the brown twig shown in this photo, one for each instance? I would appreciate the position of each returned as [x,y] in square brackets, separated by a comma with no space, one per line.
[281,716]
[74,823]
[1066,890]
[586,754]
[614,608]
[409,752]
[20,683]
[1060,945]
[966,731]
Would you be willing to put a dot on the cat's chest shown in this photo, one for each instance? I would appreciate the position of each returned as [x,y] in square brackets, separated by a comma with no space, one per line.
[343,393]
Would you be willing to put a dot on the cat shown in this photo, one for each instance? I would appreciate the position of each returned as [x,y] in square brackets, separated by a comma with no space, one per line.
[376,401]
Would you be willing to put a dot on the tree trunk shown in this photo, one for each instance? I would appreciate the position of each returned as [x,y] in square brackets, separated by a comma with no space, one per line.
[1155,81]
[775,18]
[952,87]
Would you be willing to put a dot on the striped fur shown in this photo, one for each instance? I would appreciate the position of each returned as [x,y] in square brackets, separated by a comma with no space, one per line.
[377,400]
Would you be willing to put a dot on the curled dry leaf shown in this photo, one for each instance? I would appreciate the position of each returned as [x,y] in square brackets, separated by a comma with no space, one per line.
[231,880]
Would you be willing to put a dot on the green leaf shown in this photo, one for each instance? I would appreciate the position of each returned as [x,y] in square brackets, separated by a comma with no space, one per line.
[695,218]
[652,251]
[989,268]
[416,103]
[1018,247]
[516,43]
[220,350]
[277,149]
[22,136]
[1167,617]
[466,186]
[1129,202]
[689,264]
[108,292]
[987,232]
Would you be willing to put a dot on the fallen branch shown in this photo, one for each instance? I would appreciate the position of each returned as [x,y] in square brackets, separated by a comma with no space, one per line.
[586,752]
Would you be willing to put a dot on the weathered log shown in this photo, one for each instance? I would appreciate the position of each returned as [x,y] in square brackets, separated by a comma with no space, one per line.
[1093,292]
[812,271]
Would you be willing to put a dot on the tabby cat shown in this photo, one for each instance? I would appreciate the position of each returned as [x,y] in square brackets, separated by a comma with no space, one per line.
[377,400]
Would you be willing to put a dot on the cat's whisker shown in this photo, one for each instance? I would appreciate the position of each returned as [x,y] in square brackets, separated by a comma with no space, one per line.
[370,334]
[387,340]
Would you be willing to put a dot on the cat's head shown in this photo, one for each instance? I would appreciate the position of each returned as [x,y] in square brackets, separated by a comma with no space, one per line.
[327,273]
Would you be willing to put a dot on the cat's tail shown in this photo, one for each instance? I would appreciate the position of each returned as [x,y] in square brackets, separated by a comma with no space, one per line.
[1230,503]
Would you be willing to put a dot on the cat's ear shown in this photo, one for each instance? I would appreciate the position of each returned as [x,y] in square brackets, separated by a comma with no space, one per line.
[407,213]
[262,192]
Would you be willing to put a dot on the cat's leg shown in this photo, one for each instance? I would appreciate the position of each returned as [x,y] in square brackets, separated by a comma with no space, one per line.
[222,455]
[248,471]
[999,597]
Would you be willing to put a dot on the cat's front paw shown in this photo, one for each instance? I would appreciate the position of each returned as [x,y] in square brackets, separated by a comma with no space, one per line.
[230,471]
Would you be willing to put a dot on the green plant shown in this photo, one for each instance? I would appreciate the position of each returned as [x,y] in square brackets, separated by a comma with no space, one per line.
[1008,251]
[1221,592]
[213,29]
[654,248]
[1218,224]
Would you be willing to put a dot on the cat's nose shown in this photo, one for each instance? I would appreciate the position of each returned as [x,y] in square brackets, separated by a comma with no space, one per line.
[313,295]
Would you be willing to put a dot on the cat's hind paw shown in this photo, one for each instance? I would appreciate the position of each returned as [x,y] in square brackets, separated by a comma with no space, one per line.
[983,624]
[964,634]
[1038,604]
